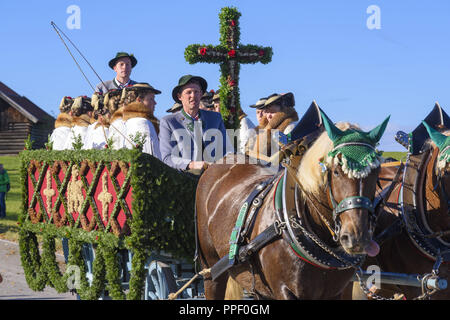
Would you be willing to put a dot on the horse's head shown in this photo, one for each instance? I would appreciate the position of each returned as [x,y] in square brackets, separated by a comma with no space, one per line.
[352,170]
[348,176]
[442,167]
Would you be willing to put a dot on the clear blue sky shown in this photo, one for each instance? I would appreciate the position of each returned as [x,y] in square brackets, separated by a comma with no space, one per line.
[323,51]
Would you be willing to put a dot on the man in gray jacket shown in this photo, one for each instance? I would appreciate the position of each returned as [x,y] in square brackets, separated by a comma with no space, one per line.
[122,64]
[191,138]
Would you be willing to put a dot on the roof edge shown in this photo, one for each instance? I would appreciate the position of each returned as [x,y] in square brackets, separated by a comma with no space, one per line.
[19,108]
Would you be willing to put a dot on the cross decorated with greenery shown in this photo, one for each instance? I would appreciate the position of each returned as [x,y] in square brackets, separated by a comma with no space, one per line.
[229,54]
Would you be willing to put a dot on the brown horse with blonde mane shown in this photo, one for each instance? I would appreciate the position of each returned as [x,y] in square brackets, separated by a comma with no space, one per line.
[321,238]
[415,230]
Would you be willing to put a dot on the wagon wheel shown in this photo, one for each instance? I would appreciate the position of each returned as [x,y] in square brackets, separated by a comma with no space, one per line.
[159,281]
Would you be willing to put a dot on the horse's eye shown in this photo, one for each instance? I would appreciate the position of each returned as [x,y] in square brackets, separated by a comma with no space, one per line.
[336,172]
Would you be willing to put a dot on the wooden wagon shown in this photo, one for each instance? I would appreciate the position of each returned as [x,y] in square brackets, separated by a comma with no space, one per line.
[125,218]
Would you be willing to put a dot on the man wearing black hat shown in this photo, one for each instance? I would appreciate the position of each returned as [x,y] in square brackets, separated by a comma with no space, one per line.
[191,138]
[122,64]
[278,115]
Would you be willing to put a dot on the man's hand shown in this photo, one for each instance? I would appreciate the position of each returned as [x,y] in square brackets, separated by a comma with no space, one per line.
[197,165]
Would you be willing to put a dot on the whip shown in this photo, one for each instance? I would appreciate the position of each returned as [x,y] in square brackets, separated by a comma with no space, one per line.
[59,32]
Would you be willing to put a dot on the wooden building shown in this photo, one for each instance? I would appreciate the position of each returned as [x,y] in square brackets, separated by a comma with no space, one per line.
[19,117]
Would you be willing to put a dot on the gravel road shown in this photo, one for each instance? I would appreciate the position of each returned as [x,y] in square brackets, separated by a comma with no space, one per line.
[14,285]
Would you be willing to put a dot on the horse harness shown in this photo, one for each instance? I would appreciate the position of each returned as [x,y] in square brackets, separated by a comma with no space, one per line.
[237,252]
[413,209]
[291,226]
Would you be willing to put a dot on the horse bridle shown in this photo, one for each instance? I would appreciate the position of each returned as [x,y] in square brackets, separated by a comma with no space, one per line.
[349,203]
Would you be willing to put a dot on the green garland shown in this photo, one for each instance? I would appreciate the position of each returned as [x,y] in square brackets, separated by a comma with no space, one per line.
[229,54]
[162,219]
[55,278]
[35,275]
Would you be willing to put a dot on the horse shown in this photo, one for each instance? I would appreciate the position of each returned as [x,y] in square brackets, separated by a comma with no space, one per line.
[281,270]
[403,248]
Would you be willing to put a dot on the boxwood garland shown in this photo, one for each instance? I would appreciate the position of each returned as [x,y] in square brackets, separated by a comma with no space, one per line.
[163,219]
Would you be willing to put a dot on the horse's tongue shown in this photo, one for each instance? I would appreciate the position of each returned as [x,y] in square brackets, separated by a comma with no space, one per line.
[372,249]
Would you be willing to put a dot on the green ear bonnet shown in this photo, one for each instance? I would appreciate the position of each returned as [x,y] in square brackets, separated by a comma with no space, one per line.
[357,148]
[442,142]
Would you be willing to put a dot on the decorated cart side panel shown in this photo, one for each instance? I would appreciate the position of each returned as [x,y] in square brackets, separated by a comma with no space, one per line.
[115,200]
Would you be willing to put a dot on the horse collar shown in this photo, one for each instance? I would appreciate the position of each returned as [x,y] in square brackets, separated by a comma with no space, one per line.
[413,210]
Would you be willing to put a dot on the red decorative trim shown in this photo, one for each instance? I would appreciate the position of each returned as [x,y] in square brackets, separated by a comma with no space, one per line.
[308,261]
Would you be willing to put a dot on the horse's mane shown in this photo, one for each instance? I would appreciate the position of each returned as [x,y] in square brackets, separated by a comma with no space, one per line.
[309,172]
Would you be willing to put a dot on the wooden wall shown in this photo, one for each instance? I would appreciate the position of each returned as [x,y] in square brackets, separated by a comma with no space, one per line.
[9,116]
[15,128]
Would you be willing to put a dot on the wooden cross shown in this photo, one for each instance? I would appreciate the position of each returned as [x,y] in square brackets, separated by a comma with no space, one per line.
[49,192]
[229,54]
[105,197]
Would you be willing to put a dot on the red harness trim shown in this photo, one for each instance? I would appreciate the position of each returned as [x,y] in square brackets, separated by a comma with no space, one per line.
[308,261]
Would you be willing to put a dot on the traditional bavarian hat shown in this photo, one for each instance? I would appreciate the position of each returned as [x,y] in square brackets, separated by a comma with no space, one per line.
[119,55]
[97,102]
[216,96]
[207,105]
[259,103]
[176,107]
[66,104]
[81,105]
[138,88]
[283,100]
[207,96]
[184,80]
[206,99]
[143,86]
[110,94]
